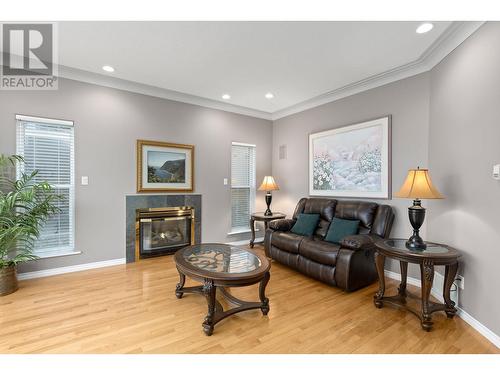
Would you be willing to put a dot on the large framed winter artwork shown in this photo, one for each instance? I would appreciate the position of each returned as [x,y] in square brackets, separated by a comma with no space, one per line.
[352,161]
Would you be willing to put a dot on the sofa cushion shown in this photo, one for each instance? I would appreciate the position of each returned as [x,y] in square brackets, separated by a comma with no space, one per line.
[305,224]
[340,228]
[357,210]
[287,241]
[323,206]
[320,251]
[383,221]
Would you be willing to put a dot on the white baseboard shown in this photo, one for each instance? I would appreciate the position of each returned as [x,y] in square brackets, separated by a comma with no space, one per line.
[89,266]
[244,242]
[478,326]
[436,293]
[75,268]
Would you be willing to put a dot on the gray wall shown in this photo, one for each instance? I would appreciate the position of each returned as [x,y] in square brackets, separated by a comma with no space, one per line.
[447,120]
[463,147]
[408,103]
[107,124]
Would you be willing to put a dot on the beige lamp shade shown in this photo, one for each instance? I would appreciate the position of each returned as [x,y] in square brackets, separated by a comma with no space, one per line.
[269,184]
[418,184]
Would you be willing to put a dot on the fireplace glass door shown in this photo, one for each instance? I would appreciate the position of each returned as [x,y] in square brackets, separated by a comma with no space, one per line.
[164,235]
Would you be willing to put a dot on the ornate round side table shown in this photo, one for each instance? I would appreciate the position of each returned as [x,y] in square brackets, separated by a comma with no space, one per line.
[259,216]
[434,255]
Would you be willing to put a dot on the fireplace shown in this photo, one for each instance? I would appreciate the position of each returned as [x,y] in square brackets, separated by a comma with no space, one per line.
[162,231]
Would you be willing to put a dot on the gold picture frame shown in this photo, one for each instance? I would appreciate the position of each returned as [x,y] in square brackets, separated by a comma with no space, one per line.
[164,167]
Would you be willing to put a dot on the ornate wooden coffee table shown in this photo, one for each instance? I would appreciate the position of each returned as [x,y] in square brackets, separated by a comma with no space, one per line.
[219,266]
[434,255]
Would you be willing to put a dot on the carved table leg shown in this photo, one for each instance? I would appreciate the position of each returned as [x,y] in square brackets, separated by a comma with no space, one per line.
[404,276]
[379,263]
[252,228]
[180,285]
[427,276]
[449,277]
[209,290]
[262,295]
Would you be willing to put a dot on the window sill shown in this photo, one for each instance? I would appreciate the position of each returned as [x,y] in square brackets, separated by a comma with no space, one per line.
[240,231]
[55,255]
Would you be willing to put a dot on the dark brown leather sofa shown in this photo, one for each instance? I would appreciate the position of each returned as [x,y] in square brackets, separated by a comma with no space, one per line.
[350,265]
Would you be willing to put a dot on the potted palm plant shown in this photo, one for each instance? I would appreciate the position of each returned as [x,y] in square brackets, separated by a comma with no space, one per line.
[25,205]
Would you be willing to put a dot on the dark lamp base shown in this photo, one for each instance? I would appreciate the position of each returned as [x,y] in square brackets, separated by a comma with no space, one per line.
[416,243]
[416,214]
[269,198]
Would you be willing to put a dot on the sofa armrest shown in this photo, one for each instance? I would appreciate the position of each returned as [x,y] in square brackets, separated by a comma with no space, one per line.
[358,242]
[355,266]
[355,269]
[283,225]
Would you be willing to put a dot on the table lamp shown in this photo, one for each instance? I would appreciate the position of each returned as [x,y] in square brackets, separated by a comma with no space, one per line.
[417,185]
[268,185]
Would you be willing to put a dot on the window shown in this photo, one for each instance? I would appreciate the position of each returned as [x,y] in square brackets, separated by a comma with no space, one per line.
[242,186]
[48,146]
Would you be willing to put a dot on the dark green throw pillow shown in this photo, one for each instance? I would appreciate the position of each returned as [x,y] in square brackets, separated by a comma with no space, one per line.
[340,228]
[305,224]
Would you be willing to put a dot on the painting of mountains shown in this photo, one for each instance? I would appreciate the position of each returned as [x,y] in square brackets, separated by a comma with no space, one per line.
[163,166]
[166,167]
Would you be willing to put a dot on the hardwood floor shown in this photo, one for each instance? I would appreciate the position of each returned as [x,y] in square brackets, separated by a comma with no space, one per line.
[132,309]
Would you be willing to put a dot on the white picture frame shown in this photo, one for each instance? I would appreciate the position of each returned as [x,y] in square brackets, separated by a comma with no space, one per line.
[352,161]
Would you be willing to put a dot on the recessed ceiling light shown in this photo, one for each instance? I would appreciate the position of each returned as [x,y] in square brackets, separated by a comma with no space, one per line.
[108,68]
[226,96]
[424,28]
[269,95]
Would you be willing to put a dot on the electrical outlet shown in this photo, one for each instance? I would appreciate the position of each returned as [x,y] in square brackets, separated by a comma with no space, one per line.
[460,281]
[496,172]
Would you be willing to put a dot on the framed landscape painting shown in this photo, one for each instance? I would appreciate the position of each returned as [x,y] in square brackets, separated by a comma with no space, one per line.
[352,161]
[164,166]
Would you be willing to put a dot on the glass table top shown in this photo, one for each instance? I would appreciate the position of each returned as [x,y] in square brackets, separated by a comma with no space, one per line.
[221,258]
[400,244]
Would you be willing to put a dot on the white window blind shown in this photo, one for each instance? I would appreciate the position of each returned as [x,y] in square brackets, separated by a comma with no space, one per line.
[48,146]
[242,185]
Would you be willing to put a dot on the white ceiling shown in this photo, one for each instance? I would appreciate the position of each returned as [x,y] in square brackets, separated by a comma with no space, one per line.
[296,61]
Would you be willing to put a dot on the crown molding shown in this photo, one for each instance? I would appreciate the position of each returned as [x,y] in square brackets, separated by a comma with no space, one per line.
[450,39]
[140,88]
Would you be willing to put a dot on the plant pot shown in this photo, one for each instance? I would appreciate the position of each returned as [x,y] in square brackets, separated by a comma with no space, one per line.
[8,280]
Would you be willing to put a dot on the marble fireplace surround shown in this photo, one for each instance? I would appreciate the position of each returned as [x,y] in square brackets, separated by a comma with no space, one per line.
[133,202]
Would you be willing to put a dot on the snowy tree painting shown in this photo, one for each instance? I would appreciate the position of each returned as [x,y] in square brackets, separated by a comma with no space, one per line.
[352,161]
